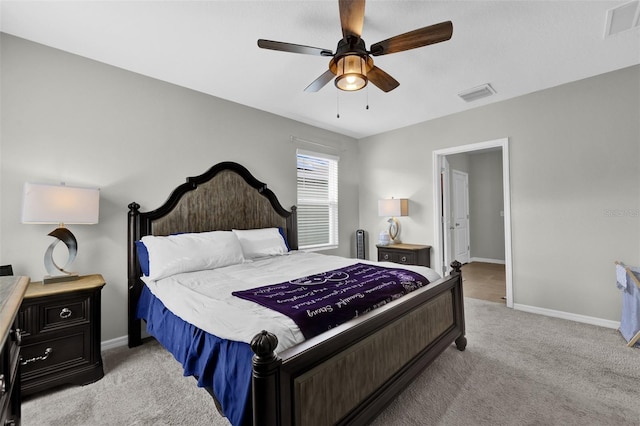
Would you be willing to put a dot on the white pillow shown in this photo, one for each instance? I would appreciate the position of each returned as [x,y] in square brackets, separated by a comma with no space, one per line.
[261,242]
[191,252]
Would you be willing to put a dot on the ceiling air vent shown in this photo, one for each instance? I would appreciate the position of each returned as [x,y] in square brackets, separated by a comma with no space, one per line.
[477,93]
[622,18]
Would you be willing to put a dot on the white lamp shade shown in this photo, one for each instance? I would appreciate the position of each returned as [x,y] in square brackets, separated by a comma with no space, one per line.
[42,203]
[393,207]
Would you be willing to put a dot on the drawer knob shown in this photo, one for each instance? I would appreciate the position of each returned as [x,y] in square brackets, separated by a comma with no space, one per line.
[47,352]
[17,336]
[404,258]
[386,256]
[65,313]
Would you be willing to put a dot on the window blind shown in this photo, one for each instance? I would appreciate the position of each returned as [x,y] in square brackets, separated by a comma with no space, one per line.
[317,205]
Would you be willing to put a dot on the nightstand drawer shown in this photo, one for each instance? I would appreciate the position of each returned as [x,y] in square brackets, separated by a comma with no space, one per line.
[53,355]
[406,258]
[386,256]
[54,313]
[405,254]
[66,312]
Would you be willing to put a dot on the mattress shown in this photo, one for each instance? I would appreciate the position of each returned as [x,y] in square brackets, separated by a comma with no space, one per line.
[204,298]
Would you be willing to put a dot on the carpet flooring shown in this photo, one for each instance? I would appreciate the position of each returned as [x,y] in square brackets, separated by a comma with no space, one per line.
[518,369]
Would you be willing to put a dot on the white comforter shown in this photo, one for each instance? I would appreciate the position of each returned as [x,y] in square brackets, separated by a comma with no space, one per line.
[204,298]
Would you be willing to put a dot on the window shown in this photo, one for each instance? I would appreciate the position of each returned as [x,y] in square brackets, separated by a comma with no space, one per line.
[317,200]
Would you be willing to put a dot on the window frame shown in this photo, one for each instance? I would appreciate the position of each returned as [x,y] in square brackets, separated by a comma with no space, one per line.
[331,200]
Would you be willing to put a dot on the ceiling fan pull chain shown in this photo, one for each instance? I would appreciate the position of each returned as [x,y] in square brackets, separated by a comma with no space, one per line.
[338,103]
[367,108]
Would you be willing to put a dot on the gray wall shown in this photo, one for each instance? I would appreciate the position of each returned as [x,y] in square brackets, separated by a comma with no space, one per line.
[575,172]
[458,162]
[486,201]
[67,118]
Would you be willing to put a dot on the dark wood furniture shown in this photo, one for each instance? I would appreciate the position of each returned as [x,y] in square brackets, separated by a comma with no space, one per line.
[60,325]
[6,270]
[405,254]
[334,369]
[12,290]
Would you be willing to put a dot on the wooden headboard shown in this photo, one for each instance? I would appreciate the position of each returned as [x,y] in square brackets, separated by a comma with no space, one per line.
[225,197]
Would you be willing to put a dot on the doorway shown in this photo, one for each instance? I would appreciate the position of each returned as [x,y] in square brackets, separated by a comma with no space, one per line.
[441,246]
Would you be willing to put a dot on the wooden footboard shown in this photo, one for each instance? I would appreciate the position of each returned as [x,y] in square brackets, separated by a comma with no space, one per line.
[351,374]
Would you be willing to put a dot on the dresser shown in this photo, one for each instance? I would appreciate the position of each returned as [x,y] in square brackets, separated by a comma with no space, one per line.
[60,325]
[12,290]
[406,254]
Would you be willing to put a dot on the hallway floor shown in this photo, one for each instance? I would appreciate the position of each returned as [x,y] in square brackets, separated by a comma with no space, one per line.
[484,281]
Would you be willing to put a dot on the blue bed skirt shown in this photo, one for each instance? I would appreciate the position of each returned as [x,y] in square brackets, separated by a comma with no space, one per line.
[218,364]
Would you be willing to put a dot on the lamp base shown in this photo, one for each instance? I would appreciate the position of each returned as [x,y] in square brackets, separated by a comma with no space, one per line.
[56,273]
[50,279]
[394,230]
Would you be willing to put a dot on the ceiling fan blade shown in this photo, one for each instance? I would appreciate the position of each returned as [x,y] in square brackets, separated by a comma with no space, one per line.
[413,39]
[384,81]
[320,82]
[351,17]
[293,48]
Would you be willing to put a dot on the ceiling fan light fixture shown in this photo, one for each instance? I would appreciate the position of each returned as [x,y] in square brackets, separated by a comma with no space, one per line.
[351,73]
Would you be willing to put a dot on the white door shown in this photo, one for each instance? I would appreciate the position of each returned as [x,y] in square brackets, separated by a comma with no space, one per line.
[446,215]
[460,222]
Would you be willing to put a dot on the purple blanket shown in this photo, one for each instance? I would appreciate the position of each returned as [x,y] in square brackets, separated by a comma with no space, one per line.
[322,301]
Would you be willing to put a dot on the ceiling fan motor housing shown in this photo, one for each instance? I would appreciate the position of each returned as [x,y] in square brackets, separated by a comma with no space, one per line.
[351,46]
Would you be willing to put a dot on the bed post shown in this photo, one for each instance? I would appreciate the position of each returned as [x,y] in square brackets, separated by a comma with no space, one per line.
[461,341]
[265,393]
[292,228]
[133,272]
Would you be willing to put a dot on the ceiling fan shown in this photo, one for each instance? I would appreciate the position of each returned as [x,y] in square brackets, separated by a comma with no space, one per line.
[352,64]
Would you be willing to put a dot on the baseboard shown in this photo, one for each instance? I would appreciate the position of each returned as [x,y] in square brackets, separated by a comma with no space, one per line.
[114,343]
[482,259]
[568,316]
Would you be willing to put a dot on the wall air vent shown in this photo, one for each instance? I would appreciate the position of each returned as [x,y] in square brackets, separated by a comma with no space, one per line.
[476,93]
[622,18]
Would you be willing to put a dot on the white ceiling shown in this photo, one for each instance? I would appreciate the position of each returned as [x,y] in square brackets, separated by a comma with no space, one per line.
[210,46]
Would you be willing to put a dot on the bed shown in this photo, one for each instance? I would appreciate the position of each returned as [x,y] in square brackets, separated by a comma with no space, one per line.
[356,368]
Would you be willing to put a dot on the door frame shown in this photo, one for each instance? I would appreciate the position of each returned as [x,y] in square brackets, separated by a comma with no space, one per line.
[445,199]
[437,157]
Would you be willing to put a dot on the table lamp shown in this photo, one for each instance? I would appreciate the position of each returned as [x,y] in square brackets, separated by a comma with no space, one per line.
[62,205]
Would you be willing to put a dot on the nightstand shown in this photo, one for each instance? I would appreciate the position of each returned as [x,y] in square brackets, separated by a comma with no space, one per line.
[60,325]
[407,254]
